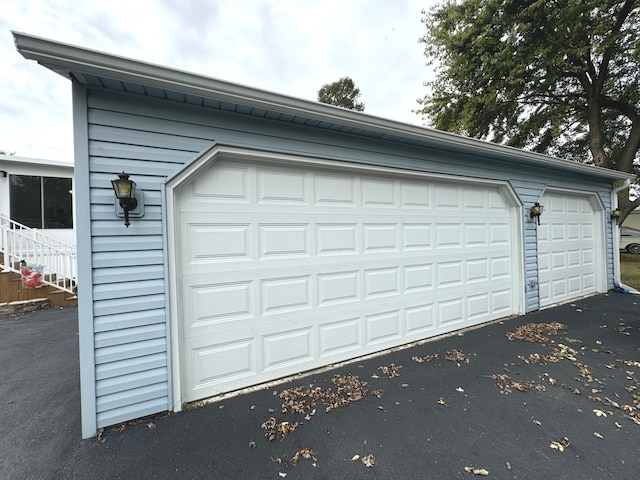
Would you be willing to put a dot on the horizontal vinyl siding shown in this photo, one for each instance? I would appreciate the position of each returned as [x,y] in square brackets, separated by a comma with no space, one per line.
[151,140]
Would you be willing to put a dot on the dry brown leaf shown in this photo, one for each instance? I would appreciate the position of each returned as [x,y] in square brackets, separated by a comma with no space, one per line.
[390,370]
[561,444]
[477,471]
[252,444]
[369,460]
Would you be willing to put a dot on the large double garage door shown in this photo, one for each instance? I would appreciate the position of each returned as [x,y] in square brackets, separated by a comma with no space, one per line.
[281,269]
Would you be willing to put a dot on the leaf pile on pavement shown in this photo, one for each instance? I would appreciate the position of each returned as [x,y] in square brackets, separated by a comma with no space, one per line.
[505,383]
[305,453]
[348,389]
[631,412]
[556,353]
[297,400]
[536,332]
[426,358]
[278,430]
[390,370]
[455,355]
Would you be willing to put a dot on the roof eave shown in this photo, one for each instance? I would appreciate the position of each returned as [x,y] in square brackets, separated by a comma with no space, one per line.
[66,60]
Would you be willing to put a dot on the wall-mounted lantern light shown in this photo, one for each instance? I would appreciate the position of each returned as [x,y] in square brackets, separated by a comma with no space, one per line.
[126,194]
[536,211]
[616,214]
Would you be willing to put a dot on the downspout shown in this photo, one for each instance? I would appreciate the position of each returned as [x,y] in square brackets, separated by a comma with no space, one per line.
[617,282]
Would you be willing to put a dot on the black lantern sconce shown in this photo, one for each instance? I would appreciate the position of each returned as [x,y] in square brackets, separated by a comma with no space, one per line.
[127,197]
[536,211]
[616,214]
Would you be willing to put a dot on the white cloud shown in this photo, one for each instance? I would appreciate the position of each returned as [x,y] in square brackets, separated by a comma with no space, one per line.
[287,46]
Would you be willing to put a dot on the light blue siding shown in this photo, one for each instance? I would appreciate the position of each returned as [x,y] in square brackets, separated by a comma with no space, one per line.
[153,139]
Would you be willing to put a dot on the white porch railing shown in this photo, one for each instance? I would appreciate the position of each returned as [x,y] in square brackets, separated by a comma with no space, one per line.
[58,259]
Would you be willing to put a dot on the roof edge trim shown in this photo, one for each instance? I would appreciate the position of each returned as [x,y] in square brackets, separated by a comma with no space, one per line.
[65,59]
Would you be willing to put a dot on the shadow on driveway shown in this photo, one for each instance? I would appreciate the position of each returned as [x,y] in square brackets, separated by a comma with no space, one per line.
[565,408]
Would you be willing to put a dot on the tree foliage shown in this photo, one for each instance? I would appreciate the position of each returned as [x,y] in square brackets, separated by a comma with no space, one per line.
[554,76]
[342,93]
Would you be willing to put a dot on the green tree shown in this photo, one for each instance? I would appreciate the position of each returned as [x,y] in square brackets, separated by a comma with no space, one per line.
[342,93]
[555,76]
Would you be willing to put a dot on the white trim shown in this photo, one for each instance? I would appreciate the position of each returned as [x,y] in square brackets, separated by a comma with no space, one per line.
[218,152]
[83,238]
[69,61]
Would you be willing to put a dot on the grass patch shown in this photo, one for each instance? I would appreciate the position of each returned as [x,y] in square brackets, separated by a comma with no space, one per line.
[630,270]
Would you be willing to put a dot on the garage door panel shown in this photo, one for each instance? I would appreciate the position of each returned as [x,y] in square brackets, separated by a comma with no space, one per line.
[218,362]
[230,184]
[222,302]
[282,186]
[310,267]
[288,347]
[341,336]
[420,320]
[382,327]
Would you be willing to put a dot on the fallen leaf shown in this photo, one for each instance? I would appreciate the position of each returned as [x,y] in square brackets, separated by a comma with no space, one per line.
[508,466]
[600,413]
[597,435]
[477,471]
[369,460]
[405,385]
[460,389]
[282,474]
[390,370]
[618,425]
[561,444]
[252,444]
[355,457]
[442,401]
[151,425]
[537,422]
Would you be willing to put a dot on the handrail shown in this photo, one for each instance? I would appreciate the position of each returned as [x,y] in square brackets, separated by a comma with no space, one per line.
[21,243]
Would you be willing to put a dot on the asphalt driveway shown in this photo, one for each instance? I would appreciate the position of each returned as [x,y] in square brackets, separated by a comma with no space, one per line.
[463,406]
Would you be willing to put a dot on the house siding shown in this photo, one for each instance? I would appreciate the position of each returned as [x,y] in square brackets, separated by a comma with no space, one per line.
[152,140]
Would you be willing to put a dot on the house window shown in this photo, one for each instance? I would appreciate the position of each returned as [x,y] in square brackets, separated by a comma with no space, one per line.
[41,202]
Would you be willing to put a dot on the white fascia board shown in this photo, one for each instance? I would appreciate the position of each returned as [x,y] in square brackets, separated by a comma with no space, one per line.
[12,159]
[68,59]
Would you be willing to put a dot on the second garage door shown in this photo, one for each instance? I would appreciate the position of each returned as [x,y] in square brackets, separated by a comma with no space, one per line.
[570,247]
[282,270]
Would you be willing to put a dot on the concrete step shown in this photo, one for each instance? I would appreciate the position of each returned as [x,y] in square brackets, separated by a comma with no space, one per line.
[23,306]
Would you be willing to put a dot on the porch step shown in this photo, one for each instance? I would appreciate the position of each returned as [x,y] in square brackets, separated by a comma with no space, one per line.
[23,306]
[11,290]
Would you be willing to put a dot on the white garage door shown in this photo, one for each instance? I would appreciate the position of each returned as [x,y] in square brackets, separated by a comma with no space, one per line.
[282,269]
[570,249]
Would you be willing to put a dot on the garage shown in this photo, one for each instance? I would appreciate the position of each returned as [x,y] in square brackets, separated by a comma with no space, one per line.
[271,235]
[284,269]
[570,247]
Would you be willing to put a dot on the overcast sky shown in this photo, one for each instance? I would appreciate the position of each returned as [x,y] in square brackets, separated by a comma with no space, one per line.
[291,47]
